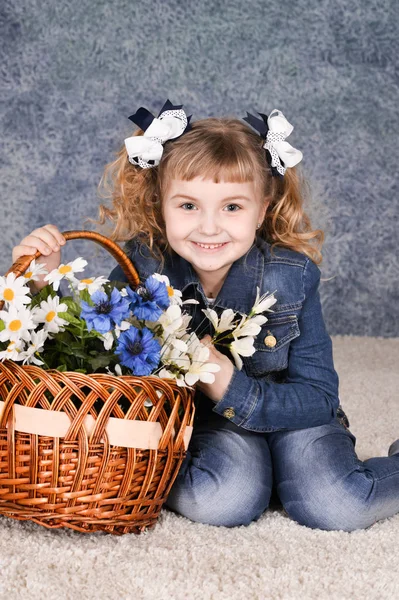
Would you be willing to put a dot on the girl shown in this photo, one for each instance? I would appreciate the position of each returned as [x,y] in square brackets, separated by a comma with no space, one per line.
[217,206]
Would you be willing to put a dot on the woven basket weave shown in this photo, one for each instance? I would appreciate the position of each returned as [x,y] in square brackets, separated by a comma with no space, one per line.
[71,457]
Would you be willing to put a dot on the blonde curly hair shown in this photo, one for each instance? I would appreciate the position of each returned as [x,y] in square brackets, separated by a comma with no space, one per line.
[222,149]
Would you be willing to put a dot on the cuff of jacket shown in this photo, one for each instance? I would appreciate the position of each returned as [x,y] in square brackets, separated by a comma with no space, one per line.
[239,400]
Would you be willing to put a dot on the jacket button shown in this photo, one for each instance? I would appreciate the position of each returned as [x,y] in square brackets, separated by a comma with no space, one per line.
[270,341]
[229,413]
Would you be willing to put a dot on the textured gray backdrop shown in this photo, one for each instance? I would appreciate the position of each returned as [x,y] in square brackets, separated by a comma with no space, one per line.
[73,71]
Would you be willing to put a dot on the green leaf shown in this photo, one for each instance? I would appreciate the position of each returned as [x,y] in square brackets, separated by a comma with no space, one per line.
[70,318]
[84,295]
[43,295]
[73,307]
[75,350]
[62,368]
[2,326]
[101,361]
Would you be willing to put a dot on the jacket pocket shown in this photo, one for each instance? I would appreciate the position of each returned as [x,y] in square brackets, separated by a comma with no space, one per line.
[278,330]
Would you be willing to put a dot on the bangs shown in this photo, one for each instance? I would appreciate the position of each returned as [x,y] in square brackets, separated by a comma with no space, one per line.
[215,154]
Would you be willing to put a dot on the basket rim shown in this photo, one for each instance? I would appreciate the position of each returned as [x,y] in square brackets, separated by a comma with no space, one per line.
[149,378]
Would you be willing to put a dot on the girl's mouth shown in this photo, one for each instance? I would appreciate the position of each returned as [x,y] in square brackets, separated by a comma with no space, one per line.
[210,247]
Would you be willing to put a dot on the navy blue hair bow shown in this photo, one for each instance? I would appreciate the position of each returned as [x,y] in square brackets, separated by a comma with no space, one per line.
[146,150]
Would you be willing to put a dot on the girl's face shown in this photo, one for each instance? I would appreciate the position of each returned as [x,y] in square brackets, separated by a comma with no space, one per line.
[210,224]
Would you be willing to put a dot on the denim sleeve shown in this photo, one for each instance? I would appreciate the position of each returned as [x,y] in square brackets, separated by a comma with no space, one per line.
[117,274]
[309,395]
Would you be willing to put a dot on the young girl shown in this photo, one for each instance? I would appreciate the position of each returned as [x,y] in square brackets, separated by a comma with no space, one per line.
[217,206]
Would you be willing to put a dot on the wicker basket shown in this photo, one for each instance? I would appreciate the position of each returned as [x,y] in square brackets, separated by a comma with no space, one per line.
[71,457]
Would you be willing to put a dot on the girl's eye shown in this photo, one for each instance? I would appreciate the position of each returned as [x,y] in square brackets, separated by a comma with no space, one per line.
[229,205]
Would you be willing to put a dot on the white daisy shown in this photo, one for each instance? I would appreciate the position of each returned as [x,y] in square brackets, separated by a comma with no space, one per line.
[13,351]
[262,303]
[68,271]
[174,294]
[47,313]
[17,323]
[14,291]
[92,284]
[31,274]
[36,345]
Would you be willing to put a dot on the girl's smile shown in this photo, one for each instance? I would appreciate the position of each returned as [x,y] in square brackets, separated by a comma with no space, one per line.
[209,248]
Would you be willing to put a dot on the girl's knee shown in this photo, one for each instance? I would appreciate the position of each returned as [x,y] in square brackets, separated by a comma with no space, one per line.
[236,498]
[226,477]
[211,510]
[315,517]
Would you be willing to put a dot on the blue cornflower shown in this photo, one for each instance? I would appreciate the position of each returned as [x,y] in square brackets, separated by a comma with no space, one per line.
[149,300]
[138,350]
[106,311]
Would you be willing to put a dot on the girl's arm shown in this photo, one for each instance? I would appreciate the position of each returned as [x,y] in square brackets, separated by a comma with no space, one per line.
[309,395]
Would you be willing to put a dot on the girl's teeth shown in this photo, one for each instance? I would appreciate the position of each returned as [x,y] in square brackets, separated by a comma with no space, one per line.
[211,247]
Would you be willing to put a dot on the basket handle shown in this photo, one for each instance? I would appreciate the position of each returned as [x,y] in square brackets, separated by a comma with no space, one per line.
[23,262]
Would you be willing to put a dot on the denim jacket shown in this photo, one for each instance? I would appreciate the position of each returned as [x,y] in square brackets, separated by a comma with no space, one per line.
[291,385]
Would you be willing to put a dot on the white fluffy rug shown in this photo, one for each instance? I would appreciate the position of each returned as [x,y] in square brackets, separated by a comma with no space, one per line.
[273,558]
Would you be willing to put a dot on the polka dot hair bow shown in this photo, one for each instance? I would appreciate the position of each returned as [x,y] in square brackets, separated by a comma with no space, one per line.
[274,129]
[146,150]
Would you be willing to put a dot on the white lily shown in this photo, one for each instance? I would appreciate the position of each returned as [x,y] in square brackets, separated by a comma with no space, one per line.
[241,347]
[175,355]
[171,320]
[165,374]
[193,342]
[262,303]
[225,321]
[118,370]
[108,338]
[249,326]
[200,369]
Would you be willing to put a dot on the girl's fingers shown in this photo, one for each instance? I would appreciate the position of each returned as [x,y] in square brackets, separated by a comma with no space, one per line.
[43,235]
[45,244]
[47,240]
[22,250]
[56,233]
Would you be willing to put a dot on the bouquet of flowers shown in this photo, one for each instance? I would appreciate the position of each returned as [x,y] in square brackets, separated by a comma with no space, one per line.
[105,326]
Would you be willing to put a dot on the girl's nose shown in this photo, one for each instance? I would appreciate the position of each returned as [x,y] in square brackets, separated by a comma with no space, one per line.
[208,225]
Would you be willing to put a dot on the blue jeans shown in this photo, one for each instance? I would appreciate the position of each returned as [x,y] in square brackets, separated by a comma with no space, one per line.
[230,476]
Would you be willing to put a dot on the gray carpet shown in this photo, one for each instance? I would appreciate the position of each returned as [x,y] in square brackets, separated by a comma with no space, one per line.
[271,559]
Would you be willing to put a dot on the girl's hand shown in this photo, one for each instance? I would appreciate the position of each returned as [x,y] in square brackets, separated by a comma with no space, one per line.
[216,390]
[47,240]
